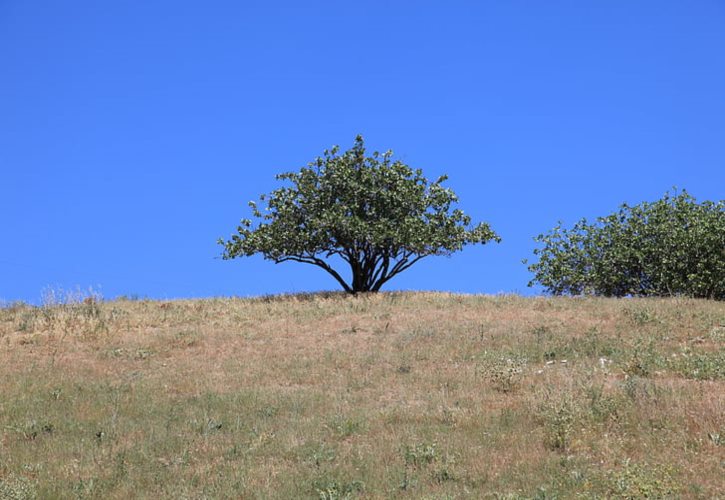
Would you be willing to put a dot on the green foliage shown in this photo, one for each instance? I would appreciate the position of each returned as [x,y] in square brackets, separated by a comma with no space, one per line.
[426,457]
[673,246]
[700,365]
[17,488]
[377,214]
[420,454]
[345,427]
[505,374]
[332,489]
[642,358]
[644,481]
[559,414]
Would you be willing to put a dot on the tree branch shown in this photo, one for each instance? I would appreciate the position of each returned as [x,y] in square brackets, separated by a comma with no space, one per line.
[317,262]
[399,267]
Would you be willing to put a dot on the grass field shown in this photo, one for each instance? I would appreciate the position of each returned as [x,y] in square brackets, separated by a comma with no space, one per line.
[410,395]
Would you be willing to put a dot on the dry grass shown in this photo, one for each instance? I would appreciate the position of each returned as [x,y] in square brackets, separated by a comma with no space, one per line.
[418,395]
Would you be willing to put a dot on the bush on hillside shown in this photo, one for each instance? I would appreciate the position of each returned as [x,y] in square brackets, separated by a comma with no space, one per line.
[673,246]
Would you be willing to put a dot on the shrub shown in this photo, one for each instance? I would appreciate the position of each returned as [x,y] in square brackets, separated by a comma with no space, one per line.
[673,246]
[505,374]
[643,481]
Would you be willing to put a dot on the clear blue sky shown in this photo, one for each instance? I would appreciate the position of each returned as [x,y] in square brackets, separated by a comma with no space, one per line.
[132,134]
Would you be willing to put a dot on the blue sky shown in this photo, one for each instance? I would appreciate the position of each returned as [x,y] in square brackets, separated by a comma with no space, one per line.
[132,134]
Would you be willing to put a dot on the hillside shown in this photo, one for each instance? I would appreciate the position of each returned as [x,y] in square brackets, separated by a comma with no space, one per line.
[413,395]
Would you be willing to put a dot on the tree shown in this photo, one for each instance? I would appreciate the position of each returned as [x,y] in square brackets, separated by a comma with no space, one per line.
[673,246]
[377,214]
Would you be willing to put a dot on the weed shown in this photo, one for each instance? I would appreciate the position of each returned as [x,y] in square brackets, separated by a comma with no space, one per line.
[187,338]
[640,316]
[558,413]
[640,389]
[32,429]
[420,454]
[717,333]
[602,406]
[443,474]
[345,427]
[540,333]
[211,426]
[15,487]
[642,359]
[643,481]
[417,457]
[351,330]
[505,374]
[408,482]
[85,488]
[65,312]
[321,455]
[445,471]
[593,344]
[142,353]
[120,465]
[269,411]
[716,438]
[333,489]
[699,365]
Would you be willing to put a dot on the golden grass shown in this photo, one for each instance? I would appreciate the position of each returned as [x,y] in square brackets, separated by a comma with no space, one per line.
[418,395]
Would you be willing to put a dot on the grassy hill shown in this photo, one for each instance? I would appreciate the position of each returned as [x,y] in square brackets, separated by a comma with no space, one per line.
[411,395]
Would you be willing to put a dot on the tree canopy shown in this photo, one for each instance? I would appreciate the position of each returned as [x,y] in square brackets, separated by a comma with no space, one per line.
[673,246]
[377,214]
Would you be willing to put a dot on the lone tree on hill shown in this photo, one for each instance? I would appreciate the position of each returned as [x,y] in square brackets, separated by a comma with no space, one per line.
[673,246]
[377,214]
